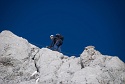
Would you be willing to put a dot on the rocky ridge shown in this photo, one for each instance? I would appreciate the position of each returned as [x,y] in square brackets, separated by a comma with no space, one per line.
[24,63]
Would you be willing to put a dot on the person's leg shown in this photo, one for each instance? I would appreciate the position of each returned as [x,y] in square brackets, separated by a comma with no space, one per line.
[58,45]
[59,49]
[55,47]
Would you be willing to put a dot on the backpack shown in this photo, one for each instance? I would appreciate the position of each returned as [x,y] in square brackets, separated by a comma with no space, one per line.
[59,36]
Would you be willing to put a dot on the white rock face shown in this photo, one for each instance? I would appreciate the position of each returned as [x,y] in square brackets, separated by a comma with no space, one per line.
[24,63]
[16,64]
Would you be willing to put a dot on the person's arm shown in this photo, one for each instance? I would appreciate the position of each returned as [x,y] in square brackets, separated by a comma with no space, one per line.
[52,44]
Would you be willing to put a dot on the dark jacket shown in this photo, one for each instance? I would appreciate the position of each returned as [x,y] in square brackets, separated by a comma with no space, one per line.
[53,41]
[56,41]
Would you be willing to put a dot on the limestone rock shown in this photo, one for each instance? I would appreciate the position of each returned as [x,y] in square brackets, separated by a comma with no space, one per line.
[15,59]
[24,63]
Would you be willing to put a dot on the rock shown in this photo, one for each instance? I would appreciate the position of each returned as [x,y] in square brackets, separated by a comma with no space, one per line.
[24,63]
[110,69]
[15,59]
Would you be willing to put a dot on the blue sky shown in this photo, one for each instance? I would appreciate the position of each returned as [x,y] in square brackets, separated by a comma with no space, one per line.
[100,23]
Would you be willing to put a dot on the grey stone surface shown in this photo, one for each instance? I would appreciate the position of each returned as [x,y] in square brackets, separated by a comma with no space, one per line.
[24,63]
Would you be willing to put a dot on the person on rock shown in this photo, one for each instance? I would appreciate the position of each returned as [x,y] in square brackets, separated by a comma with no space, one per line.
[56,43]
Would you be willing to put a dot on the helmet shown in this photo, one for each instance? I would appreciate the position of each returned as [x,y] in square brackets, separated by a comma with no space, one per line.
[51,35]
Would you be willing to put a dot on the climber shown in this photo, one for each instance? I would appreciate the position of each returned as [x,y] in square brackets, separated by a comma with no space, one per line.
[56,42]
[60,36]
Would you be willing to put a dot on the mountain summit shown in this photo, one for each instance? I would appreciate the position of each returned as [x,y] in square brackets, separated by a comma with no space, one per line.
[24,63]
